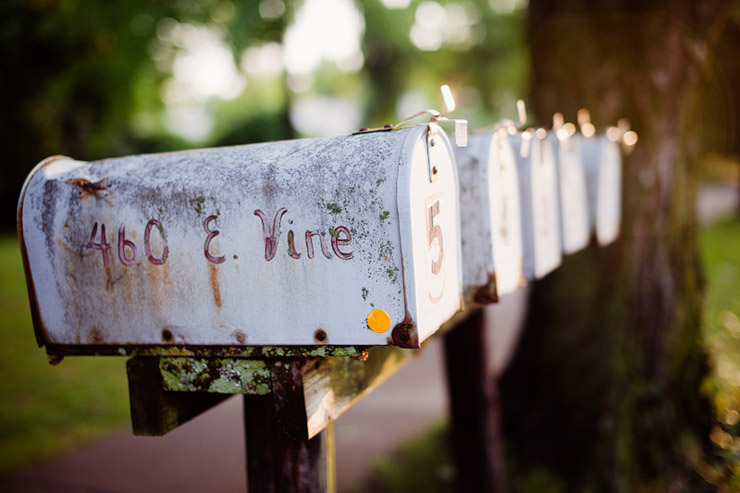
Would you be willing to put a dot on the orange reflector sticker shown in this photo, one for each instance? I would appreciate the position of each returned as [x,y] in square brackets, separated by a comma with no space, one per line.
[378,320]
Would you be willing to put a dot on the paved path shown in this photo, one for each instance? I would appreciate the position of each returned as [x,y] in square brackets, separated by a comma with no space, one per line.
[207,454]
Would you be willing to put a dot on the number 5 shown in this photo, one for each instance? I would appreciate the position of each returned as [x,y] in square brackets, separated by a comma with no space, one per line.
[434,232]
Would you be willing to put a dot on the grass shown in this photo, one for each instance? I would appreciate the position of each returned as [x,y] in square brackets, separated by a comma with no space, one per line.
[46,410]
[720,248]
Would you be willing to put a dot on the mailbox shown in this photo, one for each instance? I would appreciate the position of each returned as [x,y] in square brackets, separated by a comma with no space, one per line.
[350,240]
[489,216]
[575,228]
[538,192]
[602,160]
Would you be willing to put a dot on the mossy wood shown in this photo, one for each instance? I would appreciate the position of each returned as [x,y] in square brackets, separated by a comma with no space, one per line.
[308,393]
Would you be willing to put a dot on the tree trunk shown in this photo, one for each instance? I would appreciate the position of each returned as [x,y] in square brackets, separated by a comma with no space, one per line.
[604,392]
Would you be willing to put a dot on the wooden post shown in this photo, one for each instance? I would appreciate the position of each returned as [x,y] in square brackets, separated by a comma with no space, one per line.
[474,408]
[278,463]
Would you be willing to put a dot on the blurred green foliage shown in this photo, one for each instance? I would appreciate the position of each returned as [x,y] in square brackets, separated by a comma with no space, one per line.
[89,79]
[720,246]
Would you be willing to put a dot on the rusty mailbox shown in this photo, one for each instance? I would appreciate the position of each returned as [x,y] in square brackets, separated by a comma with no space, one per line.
[602,159]
[575,228]
[538,192]
[489,216]
[350,240]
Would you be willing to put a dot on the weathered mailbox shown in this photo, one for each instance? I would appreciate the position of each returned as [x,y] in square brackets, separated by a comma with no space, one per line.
[489,216]
[538,194]
[602,160]
[575,228]
[351,240]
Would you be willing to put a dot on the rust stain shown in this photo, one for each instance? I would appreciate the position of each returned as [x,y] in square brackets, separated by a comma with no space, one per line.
[97,336]
[320,336]
[167,336]
[487,293]
[404,334]
[213,277]
[362,356]
[88,188]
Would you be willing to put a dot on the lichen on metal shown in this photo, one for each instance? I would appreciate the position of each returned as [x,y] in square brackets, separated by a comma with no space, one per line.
[224,376]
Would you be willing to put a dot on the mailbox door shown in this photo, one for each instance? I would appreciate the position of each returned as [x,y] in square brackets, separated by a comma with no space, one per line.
[428,208]
[476,192]
[539,206]
[505,215]
[574,219]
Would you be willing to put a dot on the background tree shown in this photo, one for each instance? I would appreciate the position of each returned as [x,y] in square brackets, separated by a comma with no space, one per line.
[605,391]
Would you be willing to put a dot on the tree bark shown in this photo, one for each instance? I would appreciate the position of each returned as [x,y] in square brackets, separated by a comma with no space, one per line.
[611,358]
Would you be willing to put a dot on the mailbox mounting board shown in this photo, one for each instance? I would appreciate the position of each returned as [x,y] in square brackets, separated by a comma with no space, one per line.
[344,241]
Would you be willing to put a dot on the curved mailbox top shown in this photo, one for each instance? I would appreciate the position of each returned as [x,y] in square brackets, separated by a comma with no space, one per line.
[350,240]
[538,192]
[489,216]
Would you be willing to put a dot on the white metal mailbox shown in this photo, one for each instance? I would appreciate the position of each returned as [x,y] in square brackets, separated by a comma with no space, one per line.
[602,160]
[575,228]
[489,216]
[538,192]
[350,240]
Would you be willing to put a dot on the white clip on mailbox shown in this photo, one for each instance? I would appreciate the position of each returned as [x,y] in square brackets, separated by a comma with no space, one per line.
[539,203]
[602,160]
[575,228]
[351,240]
[489,216]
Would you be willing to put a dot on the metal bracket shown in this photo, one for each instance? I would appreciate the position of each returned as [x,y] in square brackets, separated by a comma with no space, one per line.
[461,126]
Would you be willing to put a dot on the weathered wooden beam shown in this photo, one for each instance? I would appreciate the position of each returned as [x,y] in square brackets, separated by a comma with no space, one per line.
[155,411]
[310,394]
